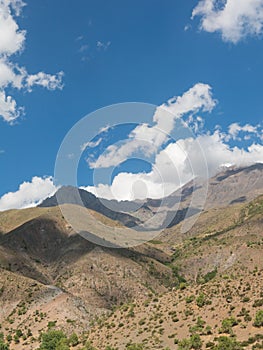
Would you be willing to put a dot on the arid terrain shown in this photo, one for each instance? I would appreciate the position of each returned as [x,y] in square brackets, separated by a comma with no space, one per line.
[201,289]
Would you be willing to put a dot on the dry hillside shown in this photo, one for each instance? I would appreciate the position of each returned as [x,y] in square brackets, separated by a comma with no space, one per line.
[195,290]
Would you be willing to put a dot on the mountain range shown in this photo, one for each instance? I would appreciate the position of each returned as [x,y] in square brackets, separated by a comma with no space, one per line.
[155,295]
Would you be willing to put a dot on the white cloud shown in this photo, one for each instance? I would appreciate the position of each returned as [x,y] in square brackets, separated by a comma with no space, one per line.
[12,41]
[11,38]
[148,139]
[114,155]
[83,48]
[90,144]
[199,97]
[48,81]
[177,164]
[233,19]
[104,129]
[103,46]
[29,194]
[10,74]
[79,38]
[180,161]
[8,107]
[196,124]
[234,130]
[217,153]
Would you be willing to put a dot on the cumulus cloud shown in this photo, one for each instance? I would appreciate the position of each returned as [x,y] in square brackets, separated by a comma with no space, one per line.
[234,130]
[199,97]
[175,163]
[180,162]
[148,139]
[48,81]
[12,41]
[10,74]
[201,154]
[8,107]
[29,194]
[233,19]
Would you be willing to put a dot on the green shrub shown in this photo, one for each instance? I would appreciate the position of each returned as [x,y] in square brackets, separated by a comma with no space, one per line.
[258,303]
[73,339]
[189,299]
[16,339]
[227,343]
[88,346]
[134,346]
[63,345]
[185,344]
[227,325]
[210,344]
[196,341]
[201,300]
[258,319]
[19,333]
[210,275]
[51,324]
[3,346]
[9,338]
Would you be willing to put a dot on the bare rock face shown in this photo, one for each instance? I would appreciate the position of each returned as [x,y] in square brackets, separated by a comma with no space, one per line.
[235,186]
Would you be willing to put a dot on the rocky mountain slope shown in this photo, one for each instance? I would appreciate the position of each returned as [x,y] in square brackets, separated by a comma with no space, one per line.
[164,294]
[46,267]
[220,293]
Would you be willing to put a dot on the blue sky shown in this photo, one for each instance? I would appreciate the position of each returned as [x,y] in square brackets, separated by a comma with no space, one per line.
[132,51]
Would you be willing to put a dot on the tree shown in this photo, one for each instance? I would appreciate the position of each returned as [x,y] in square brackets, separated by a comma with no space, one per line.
[52,340]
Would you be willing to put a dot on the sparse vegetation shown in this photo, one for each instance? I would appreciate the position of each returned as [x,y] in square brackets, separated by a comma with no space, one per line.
[198,291]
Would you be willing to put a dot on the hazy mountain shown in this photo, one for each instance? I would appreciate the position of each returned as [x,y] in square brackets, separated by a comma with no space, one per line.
[230,186]
[72,195]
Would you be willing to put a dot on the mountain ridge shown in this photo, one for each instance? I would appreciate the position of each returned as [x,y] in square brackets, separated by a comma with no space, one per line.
[52,278]
[229,186]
